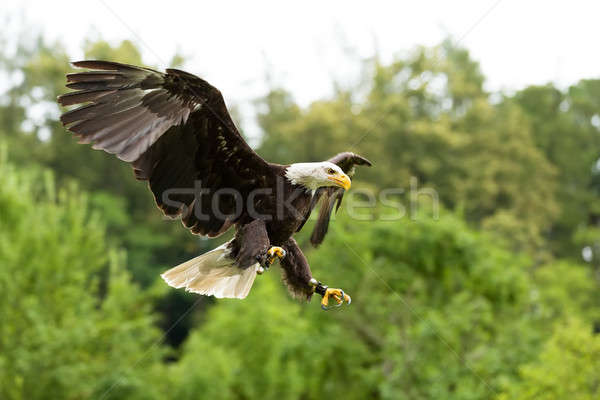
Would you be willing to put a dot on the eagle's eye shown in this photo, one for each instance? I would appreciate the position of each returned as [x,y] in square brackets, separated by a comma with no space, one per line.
[331,171]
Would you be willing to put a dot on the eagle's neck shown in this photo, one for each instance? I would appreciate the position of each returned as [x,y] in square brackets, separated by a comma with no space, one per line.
[303,175]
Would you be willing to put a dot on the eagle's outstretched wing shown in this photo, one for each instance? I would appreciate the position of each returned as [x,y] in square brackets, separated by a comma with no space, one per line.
[330,196]
[175,130]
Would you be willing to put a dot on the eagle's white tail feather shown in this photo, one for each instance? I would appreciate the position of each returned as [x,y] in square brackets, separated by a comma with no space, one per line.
[213,273]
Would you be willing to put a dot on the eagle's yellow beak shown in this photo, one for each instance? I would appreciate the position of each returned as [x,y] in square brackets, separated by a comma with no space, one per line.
[341,180]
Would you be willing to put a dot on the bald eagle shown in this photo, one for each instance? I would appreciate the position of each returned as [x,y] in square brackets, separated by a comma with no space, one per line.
[175,131]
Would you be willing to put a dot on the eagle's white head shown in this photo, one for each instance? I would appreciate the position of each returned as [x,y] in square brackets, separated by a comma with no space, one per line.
[317,174]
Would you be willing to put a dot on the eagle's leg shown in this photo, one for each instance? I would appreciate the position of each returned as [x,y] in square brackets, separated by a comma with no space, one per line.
[338,294]
[252,246]
[299,280]
[272,254]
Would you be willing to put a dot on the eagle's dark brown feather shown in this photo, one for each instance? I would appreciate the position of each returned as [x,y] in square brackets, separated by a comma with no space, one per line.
[175,130]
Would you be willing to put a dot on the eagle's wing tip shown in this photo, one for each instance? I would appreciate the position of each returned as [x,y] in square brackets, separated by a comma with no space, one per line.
[78,63]
[364,161]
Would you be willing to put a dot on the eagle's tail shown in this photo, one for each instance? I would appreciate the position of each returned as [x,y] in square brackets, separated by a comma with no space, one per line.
[214,273]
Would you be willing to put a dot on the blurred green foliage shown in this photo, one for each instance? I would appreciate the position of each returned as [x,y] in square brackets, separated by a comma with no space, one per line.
[73,323]
[566,368]
[487,301]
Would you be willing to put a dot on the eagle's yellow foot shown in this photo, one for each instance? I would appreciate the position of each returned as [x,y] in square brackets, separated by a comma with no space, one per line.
[275,252]
[338,295]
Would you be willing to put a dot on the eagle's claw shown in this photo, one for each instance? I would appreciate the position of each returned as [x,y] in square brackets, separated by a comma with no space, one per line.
[338,295]
[273,253]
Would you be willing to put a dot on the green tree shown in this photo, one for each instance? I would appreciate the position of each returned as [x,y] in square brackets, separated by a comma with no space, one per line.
[567,367]
[427,116]
[73,324]
[562,126]
[438,311]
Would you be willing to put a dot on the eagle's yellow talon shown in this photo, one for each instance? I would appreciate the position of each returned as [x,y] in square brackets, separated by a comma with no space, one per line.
[275,252]
[338,295]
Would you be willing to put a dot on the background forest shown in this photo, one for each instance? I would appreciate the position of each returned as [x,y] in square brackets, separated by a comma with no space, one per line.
[497,297]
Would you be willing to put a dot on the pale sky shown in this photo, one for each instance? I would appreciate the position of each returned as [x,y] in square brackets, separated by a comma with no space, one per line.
[233,44]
